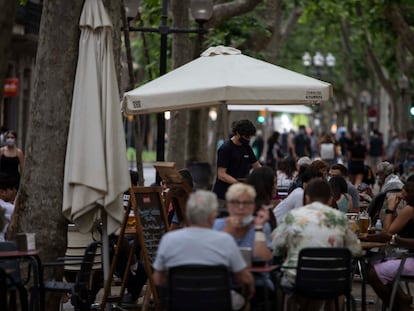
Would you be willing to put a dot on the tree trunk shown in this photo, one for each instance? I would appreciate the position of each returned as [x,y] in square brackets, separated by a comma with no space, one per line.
[7,16]
[39,202]
[181,54]
[38,207]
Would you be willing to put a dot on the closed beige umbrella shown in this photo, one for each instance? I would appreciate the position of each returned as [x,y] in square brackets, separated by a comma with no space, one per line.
[96,167]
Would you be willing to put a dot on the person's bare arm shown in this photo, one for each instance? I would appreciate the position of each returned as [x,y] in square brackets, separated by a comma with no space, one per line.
[398,222]
[223,176]
[245,278]
[160,278]
[393,223]
[21,159]
[260,249]
[256,164]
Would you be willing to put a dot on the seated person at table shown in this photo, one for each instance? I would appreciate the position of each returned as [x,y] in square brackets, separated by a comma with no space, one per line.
[249,228]
[313,225]
[7,196]
[295,198]
[398,228]
[198,244]
[264,181]
[179,198]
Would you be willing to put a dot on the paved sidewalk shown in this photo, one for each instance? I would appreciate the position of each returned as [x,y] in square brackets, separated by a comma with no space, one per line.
[356,292]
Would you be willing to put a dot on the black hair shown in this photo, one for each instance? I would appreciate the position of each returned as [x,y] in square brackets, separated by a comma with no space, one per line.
[288,166]
[318,190]
[188,178]
[409,188]
[338,185]
[134,178]
[309,174]
[340,167]
[244,128]
[262,179]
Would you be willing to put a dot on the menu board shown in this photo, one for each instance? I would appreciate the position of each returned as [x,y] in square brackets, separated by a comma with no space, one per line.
[152,220]
[151,224]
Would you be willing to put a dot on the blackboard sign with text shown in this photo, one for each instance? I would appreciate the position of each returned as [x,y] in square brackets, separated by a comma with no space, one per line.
[151,224]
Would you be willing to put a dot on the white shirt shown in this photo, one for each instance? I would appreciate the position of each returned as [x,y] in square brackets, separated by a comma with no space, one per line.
[293,200]
[9,208]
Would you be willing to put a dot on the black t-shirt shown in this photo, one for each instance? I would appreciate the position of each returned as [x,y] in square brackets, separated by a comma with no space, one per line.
[375,145]
[237,160]
[302,145]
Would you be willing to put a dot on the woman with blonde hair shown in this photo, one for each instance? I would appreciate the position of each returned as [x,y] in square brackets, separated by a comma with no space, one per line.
[249,228]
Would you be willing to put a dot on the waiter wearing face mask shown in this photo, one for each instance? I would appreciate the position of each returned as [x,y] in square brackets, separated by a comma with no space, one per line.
[11,158]
[235,159]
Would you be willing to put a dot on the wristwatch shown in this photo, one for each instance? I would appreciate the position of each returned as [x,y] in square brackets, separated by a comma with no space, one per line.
[388,211]
[392,241]
[258,228]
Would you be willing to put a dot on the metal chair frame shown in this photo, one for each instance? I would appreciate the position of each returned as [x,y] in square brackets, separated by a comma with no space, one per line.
[13,281]
[80,289]
[324,273]
[199,287]
[400,277]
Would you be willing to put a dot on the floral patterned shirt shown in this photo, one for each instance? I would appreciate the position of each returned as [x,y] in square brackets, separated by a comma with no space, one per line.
[313,225]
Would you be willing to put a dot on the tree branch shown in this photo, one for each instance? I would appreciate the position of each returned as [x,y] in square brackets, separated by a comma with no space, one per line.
[224,11]
[401,27]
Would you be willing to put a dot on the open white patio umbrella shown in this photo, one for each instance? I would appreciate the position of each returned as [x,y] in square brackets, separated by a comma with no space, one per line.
[96,168]
[273,108]
[224,75]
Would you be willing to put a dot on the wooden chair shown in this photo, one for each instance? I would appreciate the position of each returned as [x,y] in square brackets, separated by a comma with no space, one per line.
[324,273]
[82,296]
[199,287]
[76,245]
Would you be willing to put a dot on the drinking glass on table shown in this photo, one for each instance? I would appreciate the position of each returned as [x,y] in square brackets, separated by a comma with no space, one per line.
[364,222]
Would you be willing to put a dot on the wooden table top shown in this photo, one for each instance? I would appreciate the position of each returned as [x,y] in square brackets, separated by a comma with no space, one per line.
[18,253]
[369,245]
[263,268]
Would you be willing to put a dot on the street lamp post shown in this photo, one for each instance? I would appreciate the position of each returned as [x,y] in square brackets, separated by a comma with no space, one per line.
[319,61]
[201,11]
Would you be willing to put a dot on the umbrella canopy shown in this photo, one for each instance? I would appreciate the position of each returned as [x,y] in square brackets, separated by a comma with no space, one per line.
[96,168]
[273,108]
[225,75]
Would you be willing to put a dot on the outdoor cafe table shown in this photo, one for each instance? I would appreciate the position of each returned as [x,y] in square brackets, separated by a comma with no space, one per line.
[362,262]
[36,297]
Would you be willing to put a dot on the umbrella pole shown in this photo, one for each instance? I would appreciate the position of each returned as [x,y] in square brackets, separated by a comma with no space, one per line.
[105,251]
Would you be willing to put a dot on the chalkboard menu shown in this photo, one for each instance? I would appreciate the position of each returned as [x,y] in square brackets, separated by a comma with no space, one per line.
[152,220]
[148,228]
[151,224]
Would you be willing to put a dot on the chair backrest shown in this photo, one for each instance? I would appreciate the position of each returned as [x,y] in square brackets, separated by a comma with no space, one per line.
[4,280]
[199,287]
[201,173]
[82,296]
[13,265]
[77,243]
[324,272]
[84,274]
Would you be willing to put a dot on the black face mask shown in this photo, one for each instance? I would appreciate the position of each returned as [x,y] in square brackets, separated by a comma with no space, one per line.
[244,141]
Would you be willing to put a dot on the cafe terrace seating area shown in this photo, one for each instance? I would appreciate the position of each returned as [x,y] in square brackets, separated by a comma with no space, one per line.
[24,286]
[11,297]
